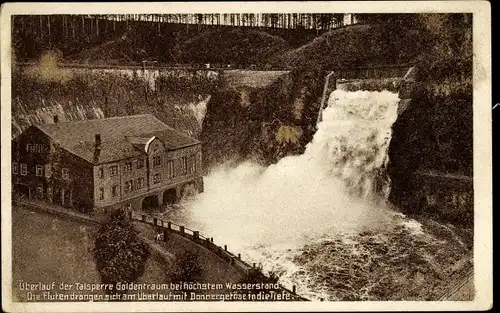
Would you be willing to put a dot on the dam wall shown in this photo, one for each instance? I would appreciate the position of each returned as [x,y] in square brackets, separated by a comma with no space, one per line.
[176,96]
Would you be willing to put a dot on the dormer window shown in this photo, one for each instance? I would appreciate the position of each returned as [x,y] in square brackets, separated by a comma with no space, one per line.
[34,148]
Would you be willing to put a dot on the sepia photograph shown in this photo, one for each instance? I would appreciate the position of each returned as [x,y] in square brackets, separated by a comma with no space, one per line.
[253,156]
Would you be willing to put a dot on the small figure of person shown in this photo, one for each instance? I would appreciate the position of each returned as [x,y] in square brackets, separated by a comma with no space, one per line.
[158,233]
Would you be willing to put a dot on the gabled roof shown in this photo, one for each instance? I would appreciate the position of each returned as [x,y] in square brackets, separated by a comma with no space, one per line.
[121,137]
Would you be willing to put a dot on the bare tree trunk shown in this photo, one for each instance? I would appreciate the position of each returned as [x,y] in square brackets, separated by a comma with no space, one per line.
[41,28]
[73,27]
[22,24]
[63,18]
[48,27]
[83,25]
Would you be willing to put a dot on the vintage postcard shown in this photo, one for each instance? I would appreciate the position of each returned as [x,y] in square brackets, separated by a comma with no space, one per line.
[238,156]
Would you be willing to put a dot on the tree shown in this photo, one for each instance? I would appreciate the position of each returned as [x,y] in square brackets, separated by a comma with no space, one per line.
[325,20]
[119,254]
[187,268]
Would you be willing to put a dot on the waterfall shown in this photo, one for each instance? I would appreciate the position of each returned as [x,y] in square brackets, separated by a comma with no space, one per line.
[343,166]
[309,218]
[353,139]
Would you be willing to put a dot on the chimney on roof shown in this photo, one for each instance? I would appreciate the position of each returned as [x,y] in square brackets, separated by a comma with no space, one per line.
[98,141]
[56,119]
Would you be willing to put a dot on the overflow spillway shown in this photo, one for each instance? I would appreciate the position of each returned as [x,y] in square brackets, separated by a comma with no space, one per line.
[321,220]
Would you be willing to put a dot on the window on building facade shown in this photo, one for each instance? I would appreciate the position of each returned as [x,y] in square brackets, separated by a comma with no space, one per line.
[184,165]
[48,170]
[113,170]
[39,170]
[140,163]
[128,186]
[101,172]
[114,191]
[65,173]
[170,169]
[24,169]
[39,191]
[192,164]
[101,193]
[49,192]
[156,178]
[157,160]
[140,183]
[127,167]
[15,168]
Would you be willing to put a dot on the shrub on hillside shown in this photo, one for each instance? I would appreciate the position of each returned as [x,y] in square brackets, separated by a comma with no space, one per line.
[119,254]
[187,268]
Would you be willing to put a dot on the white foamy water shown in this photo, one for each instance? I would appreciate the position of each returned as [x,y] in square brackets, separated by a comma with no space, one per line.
[199,108]
[338,186]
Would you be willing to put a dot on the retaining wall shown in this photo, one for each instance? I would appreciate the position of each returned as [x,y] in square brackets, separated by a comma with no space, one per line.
[172,231]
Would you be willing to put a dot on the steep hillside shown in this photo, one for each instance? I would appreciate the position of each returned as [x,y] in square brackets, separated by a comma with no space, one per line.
[356,45]
[240,46]
[86,38]
[133,46]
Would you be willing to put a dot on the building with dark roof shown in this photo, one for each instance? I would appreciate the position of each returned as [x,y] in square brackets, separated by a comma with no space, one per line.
[131,161]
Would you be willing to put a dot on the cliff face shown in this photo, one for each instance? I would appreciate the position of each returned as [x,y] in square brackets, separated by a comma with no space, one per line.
[432,144]
[262,123]
[431,148]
